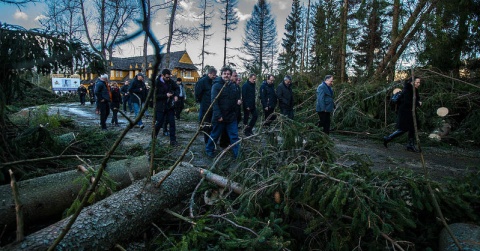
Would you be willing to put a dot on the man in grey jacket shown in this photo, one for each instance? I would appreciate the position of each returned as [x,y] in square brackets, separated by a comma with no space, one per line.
[325,104]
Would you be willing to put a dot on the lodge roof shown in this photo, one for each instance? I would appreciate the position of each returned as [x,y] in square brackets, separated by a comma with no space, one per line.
[137,61]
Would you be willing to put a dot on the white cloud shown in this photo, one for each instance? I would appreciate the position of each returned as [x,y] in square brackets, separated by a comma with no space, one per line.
[20,15]
[242,16]
[40,17]
[187,11]
[282,5]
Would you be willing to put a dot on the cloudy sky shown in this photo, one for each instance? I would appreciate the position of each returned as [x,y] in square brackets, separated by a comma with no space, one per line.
[28,17]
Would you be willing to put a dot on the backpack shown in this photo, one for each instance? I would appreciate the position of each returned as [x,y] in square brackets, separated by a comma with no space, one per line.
[396,98]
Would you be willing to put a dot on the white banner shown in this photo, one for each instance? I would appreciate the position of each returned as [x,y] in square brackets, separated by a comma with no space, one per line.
[65,84]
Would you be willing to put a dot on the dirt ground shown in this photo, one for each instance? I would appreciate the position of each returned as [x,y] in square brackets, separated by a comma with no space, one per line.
[441,163]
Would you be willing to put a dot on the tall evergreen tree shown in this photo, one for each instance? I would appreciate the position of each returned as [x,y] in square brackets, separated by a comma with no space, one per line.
[291,41]
[370,45]
[447,38]
[306,31]
[326,39]
[260,39]
[230,21]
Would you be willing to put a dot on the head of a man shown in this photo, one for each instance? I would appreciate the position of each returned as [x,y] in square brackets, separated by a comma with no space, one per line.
[252,78]
[127,82]
[234,76]
[179,81]
[104,77]
[212,73]
[140,76]
[166,74]
[270,79]
[328,80]
[226,73]
[287,80]
[416,82]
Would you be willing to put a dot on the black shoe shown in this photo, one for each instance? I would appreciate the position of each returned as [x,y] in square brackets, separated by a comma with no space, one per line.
[385,141]
[142,126]
[174,143]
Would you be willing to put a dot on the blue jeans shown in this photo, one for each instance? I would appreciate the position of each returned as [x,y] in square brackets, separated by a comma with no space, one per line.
[136,110]
[232,131]
[127,101]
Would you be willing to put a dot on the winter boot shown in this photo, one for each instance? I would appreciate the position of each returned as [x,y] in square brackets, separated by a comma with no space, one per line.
[390,137]
[411,146]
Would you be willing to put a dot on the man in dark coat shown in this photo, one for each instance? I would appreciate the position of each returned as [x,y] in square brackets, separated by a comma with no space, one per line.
[115,104]
[91,92]
[268,97]
[325,103]
[249,107]
[82,92]
[182,95]
[203,90]
[405,117]
[224,116]
[126,97]
[138,94]
[224,139]
[285,97]
[166,93]
[104,96]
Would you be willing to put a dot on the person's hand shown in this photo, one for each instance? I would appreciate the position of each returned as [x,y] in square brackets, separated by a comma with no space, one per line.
[248,108]
[141,89]
[239,102]
[420,103]
[266,108]
[220,119]
[175,98]
[169,94]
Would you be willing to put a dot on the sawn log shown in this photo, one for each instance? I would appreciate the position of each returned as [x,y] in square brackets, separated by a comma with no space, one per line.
[118,217]
[48,196]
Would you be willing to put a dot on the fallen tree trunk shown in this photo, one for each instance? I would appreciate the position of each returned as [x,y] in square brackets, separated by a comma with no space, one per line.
[118,217]
[50,195]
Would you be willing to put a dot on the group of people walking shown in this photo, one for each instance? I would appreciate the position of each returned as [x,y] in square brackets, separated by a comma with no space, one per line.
[227,99]
[169,95]
[222,99]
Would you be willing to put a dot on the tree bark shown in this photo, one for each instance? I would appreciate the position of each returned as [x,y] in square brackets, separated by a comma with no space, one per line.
[394,33]
[343,48]
[119,217]
[170,34]
[50,195]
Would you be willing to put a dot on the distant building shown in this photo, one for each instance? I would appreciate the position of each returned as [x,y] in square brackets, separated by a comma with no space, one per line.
[123,69]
